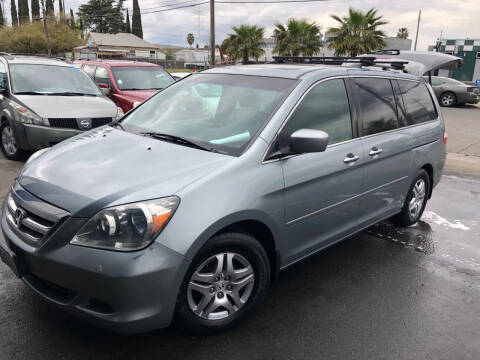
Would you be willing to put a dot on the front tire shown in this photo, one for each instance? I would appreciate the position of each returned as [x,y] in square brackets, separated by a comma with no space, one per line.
[226,280]
[8,143]
[448,99]
[415,201]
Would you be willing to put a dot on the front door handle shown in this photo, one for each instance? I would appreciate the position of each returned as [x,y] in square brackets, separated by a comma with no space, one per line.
[375,151]
[351,158]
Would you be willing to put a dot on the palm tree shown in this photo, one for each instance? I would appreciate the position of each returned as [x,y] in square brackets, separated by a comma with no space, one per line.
[297,38]
[246,42]
[190,39]
[402,33]
[357,33]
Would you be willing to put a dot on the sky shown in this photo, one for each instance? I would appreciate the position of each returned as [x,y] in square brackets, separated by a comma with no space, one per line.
[453,19]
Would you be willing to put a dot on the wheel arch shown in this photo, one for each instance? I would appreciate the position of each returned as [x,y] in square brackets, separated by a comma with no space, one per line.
[254,223]
[429,169]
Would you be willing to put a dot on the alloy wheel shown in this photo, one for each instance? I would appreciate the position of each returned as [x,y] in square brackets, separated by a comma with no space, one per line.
[8,141]
[418,198]
[447,100]
[220,286]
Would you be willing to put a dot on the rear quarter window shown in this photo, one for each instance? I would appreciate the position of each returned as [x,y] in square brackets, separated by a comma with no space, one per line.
[419,106]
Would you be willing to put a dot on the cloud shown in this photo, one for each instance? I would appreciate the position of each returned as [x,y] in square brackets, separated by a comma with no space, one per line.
[171,27]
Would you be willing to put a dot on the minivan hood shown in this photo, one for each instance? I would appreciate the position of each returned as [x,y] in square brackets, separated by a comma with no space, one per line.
[108,166]
[47,106]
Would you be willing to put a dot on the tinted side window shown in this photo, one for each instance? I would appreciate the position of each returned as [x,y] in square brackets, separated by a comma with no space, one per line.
[376,103]
[101,76]
[418,102]
[3,76]
[324,108]
[90,70]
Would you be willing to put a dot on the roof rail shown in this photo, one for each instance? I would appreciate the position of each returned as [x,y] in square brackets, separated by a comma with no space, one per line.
[339,60]
[385,52]
[6,54]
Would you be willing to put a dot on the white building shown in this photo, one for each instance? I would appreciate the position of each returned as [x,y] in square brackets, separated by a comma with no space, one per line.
[199,58]
[117,46]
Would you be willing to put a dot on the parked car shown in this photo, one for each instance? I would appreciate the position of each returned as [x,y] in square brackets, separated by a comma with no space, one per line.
[186,208]
[44,101]
[451,92]
[127,83]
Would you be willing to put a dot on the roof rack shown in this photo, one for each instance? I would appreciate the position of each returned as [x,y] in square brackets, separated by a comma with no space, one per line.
[339,60]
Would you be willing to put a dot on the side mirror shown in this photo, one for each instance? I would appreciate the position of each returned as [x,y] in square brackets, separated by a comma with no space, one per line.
[105,88]
[308,141]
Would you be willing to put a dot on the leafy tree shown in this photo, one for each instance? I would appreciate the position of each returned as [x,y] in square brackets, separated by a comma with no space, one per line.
[49,7]
[103,16]
[137,20]
[190,39]
[23,13]
[2,18]
[35,10]
[128,27]
[30,38]
[402,33]
[297,38]
[72,20]
[13,12]
[357,33]
[246,42]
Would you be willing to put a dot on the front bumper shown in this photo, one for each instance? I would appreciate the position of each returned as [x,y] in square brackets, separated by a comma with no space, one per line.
[35,137]
[125,292]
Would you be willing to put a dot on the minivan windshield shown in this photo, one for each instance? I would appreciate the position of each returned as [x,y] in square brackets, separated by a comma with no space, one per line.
[222,112]
[40,79]
[141,77]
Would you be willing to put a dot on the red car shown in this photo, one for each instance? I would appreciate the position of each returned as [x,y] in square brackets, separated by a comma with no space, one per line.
[127,83]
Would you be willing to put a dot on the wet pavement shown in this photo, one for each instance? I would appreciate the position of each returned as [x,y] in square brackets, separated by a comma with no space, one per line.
[396,293]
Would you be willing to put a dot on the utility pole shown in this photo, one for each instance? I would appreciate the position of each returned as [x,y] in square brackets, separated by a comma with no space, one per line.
[418,27]
[47,38]
[212,33]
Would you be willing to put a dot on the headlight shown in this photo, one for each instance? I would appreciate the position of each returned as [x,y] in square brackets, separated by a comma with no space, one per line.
[36,154]
[119,113]
[127,227]
[26,116]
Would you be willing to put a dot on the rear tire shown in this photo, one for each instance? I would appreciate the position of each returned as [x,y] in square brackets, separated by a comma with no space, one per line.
[225,282]
[9,144]
[415,201]
[448,99]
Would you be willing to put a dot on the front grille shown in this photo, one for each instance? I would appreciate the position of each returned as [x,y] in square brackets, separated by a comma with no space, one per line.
[30,218]
[64,123]
[97,122]
[73,123]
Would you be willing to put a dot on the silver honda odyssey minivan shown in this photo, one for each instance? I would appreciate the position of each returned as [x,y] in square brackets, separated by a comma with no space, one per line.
[185,209]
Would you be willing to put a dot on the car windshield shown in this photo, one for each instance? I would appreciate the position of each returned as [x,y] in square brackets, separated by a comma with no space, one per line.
[141,77]
[219,111]
[51,79]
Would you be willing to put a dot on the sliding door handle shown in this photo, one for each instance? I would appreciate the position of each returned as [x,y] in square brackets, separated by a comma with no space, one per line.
[351,158]
[375,151]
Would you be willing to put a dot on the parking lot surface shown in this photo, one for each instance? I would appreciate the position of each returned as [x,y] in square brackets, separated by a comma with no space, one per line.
[388,292]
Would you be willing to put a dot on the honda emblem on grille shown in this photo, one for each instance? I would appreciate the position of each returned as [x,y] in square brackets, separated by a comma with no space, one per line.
[19,215]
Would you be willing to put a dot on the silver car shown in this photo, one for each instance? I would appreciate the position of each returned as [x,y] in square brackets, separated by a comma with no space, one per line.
[451,92]
[44,101]
[186,209]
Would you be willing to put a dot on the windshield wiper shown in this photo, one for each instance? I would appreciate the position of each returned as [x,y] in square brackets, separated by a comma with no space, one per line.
[70,93]
[178,140]
[117,123]
[29,93]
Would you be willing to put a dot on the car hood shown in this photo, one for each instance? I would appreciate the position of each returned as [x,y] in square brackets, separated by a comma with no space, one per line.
[47,106]
[139,95]
[108,166]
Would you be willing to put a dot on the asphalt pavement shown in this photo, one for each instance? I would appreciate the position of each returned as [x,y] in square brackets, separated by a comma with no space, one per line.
[386,293]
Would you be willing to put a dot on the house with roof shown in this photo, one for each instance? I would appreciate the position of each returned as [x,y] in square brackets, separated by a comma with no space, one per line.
[116,46]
